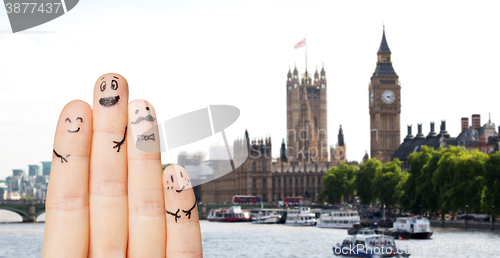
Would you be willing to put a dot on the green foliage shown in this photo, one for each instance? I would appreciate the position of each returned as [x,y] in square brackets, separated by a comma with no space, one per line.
[426,194]
[411,200]
[364,179]
[387,178]
[338,183]
[491,193]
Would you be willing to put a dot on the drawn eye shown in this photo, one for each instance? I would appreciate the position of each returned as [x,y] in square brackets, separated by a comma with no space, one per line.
[114,85]
[79,118]
[147,108]
[103,86]
[67,119]
[137,111]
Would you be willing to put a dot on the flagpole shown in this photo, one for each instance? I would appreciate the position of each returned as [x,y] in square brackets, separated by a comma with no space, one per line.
[305,39]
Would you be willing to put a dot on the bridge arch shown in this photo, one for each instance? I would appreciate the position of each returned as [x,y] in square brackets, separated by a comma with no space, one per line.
[38,213]
[24,214]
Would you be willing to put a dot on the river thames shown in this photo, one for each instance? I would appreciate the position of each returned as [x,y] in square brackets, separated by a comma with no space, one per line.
[250,240]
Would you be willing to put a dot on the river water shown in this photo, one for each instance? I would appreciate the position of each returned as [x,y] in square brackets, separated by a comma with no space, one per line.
[249,240]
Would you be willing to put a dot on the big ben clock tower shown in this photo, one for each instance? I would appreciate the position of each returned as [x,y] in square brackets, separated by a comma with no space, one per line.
[384,100]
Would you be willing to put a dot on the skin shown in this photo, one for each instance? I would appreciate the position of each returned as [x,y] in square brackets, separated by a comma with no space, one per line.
[109,203]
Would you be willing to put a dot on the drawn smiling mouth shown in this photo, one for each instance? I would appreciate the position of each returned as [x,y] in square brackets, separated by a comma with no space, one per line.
[75,131]
[109,101]
[180,190]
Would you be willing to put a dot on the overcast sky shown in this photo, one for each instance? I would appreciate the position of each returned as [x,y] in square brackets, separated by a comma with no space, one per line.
[186,55]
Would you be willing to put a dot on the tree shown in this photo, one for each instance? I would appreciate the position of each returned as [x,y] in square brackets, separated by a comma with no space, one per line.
[338,183]
[491,194]
[425,189]
[387,186]
[459,178]
[364,180]
[411,200]
[469,180]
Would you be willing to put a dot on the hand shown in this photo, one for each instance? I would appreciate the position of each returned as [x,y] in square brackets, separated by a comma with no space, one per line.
[106,198]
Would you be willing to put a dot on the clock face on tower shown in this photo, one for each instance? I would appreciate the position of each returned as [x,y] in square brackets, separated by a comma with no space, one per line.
[371,97]
[388,96]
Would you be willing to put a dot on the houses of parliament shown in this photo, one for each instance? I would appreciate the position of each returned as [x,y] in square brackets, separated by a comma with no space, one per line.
[306,156]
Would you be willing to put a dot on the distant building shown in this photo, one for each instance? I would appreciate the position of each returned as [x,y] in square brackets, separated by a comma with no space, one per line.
[33,170]
[21,185]
[412,144]
[46,168]
[474,137]
[384,103]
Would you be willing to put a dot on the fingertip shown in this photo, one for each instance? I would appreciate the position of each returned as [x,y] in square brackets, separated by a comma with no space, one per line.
[143,128]
[111,89]
[74,128]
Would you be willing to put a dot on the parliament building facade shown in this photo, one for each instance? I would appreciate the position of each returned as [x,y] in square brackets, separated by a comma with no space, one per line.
[306,156]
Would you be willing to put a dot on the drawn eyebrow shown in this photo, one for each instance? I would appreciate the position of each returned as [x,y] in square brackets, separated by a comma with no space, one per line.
[81,119]
[181,173]
[102,78]
[171,177]
[67,119]
[116,77]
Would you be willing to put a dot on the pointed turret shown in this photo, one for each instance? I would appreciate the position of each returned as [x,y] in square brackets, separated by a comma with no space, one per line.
[283,151]
[384,47]
[384,67]
[341,137]
[316,74]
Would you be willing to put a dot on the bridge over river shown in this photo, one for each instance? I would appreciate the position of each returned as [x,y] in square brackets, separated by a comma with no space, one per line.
[29,211]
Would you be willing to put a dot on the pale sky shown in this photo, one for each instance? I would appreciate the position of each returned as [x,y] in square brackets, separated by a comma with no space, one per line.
[186,55]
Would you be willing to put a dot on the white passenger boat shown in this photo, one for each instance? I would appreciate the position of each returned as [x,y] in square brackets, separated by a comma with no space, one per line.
[338,219]
[368,244]
[300,216]
[418,227]
[266,217]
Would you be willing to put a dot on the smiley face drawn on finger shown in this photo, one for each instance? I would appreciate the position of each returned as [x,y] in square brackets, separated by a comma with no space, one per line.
[148,117]
[68,120]
[112,100]
[182,184]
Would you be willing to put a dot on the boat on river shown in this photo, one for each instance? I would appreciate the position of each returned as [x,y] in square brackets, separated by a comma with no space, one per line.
[300,216]
[338,219]
[368,244]
[231,214]
[266,217]
[417,227]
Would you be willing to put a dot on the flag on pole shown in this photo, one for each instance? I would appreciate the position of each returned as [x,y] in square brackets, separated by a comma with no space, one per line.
[301,43]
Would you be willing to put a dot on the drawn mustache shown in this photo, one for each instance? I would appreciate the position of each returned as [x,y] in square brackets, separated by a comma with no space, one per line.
[142,118]
[109,101]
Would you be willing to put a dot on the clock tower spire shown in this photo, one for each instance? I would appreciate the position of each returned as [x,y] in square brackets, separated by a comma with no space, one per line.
[384,94]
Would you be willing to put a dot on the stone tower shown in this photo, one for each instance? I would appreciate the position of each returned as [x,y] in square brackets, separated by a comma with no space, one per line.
[384,101]
[307,116]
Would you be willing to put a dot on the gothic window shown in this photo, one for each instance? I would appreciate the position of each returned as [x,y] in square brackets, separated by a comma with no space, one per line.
[279,183]
[264,168]
[254,183]
[254,166]
[315,122]
[264,183]
[296,183]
